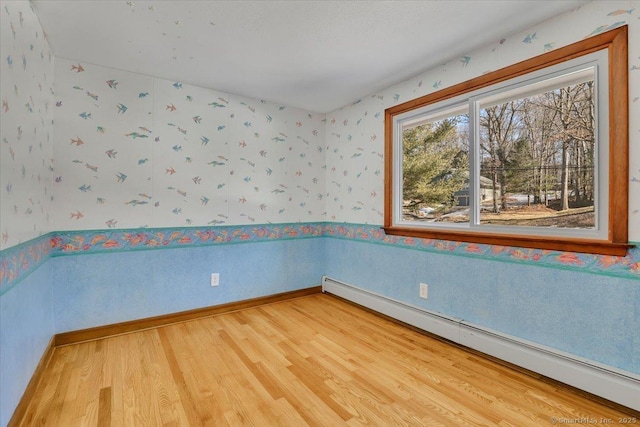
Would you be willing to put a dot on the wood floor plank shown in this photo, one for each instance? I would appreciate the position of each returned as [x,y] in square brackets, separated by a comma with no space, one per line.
[315,381]
[104,409]
[187,399]
[312,361]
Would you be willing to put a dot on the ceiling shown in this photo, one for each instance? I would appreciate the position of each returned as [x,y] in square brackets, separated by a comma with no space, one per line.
[314,55]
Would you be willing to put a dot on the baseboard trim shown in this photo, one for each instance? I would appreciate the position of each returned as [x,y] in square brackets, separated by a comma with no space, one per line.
[32,387]
[99,332]
[615,385]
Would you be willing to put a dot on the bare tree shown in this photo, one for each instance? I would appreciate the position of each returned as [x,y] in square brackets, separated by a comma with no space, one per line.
[575,108]
[498,135]
[538,122]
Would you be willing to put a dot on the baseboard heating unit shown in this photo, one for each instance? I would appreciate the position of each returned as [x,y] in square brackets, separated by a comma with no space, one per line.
[601,380]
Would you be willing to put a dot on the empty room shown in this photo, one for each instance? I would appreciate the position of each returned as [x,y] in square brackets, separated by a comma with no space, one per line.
[324,213]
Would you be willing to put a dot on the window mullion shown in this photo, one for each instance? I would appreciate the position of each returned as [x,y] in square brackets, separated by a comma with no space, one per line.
[474,164]
[397,170]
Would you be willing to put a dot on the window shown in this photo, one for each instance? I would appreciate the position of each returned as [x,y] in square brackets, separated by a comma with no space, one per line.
[532,155]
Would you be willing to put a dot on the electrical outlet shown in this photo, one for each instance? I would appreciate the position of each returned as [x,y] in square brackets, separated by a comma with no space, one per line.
[424,290]
[215,279]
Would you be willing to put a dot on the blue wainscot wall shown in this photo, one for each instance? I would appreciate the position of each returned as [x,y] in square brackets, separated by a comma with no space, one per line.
[26,327]
[105,288]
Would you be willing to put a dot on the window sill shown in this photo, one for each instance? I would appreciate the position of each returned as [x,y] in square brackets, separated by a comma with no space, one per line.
[600,247]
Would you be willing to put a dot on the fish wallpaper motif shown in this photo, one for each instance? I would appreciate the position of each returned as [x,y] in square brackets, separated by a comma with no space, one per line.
[26,137]
[137,151]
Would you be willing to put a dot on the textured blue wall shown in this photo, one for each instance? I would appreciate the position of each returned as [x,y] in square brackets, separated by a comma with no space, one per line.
[26,326]
[588,315]
[104,288]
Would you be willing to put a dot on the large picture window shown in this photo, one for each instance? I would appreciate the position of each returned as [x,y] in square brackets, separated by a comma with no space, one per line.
[532,155]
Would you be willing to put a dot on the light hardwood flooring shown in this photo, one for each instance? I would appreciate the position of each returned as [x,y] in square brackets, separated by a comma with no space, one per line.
[316,361]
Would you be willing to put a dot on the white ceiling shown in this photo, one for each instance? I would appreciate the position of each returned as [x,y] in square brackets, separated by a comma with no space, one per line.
[315,55]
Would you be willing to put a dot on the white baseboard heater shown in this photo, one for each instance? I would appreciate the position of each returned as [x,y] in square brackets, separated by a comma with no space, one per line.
[601,380]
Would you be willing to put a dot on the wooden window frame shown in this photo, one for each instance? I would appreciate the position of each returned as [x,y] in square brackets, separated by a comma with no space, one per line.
[616,243]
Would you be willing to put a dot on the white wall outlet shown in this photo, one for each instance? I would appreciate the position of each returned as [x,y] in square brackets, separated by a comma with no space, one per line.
[424,290]
[215,279]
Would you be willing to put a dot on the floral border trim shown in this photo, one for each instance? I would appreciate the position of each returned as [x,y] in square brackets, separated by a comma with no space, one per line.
[18,261]
[625,267]
[161,238]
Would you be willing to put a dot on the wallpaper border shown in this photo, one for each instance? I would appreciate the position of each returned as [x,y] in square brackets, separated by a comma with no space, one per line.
[19,261]
[100,241]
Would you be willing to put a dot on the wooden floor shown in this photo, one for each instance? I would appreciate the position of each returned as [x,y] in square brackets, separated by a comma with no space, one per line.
[316,361]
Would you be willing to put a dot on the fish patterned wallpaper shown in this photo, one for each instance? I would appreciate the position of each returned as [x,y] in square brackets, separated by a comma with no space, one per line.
[136,151]
[133,150]
[355,133]
[26,137]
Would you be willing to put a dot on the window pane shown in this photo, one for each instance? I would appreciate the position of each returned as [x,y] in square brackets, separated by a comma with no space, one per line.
[537,158]
[435,169]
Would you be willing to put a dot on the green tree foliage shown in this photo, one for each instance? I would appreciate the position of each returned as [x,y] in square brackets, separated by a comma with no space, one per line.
[436,162]
[519,168]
